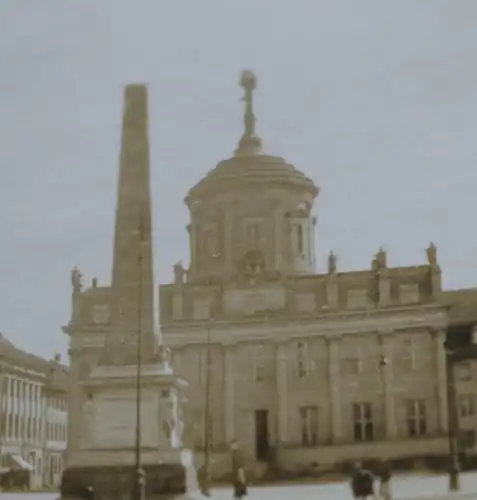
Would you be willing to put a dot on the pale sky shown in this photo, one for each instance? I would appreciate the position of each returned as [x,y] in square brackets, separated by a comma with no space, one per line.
[374,100]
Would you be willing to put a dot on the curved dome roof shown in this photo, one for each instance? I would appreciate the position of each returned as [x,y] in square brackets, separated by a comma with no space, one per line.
[256,169]
[250,166]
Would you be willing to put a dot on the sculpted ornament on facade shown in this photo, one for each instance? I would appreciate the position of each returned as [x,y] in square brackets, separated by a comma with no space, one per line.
[76,280]
[179,273]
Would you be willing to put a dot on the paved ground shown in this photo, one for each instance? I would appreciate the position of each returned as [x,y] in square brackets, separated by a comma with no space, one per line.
[406,488]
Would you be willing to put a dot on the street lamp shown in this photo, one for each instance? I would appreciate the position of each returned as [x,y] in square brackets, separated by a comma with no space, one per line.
[454,482]
[206,483]
[234,447]
[140,476]
[383,362]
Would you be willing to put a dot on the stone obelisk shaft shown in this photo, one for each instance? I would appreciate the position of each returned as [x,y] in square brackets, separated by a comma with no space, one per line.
[133,275]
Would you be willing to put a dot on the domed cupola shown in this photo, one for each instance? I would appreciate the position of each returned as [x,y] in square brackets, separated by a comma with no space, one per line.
[252,202]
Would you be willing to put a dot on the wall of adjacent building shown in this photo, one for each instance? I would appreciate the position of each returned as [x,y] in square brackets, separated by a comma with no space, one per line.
[26,413]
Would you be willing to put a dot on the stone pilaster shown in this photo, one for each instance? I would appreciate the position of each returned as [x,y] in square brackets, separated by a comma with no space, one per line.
[278,239]
[441,380]
[229,394]
[9,399]
[384,288]
[386,374]
[332,292]
[282,391]
[228,241]
[177,304]
[335,388]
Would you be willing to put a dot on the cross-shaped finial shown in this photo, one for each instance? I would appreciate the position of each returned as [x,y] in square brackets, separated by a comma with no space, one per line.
[249,143]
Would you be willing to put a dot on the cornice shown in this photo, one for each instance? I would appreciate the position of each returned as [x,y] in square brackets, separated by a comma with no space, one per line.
[330,327]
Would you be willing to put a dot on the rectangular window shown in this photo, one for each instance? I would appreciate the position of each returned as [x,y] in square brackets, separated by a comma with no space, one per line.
[354,365]
[202,309]
[309,425]
[258,363]
[416,418]
[410,351]
[304,365]
[463,371]
[363,422]
[466,405]
[101,314]
[299,238]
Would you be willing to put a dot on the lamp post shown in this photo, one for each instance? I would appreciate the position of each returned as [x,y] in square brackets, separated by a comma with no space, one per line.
[234,448]
[454,480]
[140,477]
[383,362]
[207,476]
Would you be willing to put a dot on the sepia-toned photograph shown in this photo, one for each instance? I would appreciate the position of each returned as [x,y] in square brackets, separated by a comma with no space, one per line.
[235,259]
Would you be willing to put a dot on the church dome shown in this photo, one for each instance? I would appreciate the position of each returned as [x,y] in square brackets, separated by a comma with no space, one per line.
[250,166]
[242,171]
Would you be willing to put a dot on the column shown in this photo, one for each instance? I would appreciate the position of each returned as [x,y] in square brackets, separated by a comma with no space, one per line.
[278,239]
[439,337]
[334,388]
[28,411]
[228,243]
[21,415]
[229,395]
[9,410]
[387,376]
[15,408]
[282,393]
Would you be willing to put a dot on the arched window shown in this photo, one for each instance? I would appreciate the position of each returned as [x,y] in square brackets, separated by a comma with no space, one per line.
[299,236]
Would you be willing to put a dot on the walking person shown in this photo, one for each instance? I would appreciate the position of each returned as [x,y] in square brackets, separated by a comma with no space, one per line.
[384,475]
[362,482]
[240,484]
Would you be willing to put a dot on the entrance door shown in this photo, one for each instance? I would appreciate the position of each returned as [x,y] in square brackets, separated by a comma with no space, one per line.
[261,434]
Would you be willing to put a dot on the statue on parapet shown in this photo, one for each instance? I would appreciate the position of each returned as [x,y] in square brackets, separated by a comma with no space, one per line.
[432,254]
[76,280]
[332,263]
[381,258]
[179,273]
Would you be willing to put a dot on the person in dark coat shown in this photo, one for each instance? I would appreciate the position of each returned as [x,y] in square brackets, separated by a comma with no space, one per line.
[240,484]
[362,482]
[384,475]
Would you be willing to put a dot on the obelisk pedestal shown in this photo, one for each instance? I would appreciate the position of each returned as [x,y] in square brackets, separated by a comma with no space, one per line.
[106,461]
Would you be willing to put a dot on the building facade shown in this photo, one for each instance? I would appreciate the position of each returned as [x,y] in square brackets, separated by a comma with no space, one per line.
[305,367]
[26,385]
[302,367]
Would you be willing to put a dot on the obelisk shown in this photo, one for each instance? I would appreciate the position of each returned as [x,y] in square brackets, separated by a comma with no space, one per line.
[132,273]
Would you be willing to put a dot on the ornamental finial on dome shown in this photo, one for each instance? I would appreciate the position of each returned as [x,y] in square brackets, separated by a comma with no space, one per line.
[249,144]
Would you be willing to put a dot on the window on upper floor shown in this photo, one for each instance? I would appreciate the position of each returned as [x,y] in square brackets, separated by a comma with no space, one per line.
[409,294]
[305,365]
[411,353]
[416,417]
[309,425]
[202,309]
[466,405]
[258,361]
[463,371]
[101,314]
[210,243]
[299,239]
